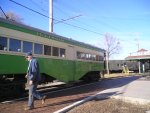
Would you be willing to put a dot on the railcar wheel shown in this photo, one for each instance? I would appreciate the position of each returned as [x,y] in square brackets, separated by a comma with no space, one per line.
[94,77]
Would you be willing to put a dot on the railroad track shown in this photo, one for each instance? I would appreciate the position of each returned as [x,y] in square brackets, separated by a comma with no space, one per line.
[50,88]
[47,90]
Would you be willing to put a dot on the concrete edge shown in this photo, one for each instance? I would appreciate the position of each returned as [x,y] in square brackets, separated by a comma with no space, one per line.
[67,108]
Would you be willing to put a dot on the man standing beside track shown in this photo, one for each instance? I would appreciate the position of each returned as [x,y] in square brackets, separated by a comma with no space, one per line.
[33,77]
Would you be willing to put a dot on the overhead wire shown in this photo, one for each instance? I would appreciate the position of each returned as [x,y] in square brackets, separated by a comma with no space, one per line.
[53,18]
[37,5]
[4,13]
[58,20]
[29,9]
[71,18]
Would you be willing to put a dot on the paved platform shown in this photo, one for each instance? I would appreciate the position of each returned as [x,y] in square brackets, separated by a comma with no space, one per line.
[136,91]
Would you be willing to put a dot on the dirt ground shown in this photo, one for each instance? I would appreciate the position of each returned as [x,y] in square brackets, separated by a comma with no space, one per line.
[110,106]
[57,101]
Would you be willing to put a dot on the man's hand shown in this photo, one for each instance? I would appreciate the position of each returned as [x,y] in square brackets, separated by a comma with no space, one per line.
[26,76]
[30,82]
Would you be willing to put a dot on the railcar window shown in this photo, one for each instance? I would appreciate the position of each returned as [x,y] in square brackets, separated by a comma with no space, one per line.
[101,58]
[62,52]
[27,46]
[87,56]
[38,48]
[93,57]
[78,55]
[90,57]
[47,50]
[3,43]
[15,45]
[55,51]
[82,56]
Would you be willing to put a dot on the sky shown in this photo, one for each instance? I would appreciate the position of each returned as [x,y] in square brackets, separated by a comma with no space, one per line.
[126,20]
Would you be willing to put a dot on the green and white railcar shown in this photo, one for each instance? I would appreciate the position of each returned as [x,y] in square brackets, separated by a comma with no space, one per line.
[59,57]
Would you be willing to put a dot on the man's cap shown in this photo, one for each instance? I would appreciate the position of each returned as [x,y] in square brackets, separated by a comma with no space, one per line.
[28,54]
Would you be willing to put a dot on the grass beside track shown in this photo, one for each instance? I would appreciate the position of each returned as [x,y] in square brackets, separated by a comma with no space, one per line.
[120,75]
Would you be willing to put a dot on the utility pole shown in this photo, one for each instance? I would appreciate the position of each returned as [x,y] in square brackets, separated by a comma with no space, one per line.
[50,15]
[138,47]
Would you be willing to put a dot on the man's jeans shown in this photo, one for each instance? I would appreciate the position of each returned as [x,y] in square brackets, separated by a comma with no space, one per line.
[33,93]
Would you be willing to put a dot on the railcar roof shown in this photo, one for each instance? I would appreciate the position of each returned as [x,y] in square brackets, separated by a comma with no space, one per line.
[35,31]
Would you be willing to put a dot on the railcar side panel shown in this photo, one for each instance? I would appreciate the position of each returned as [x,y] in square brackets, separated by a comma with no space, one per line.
[62,70]
[82,68]
[12,64]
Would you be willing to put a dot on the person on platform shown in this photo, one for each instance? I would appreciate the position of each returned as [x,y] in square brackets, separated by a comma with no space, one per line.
[33,77]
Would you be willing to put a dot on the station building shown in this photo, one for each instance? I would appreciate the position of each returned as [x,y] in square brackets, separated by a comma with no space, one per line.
[142,56]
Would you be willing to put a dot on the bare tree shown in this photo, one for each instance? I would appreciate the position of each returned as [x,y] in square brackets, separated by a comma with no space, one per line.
[112,45]
[12,16]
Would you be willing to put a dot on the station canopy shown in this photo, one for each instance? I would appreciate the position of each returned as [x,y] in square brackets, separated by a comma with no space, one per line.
[141,54]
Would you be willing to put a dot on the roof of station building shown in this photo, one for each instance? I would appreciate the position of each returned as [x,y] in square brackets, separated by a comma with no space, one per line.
[141,54]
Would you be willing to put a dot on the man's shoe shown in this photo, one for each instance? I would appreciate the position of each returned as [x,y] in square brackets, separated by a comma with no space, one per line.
[28,108]
[43,99]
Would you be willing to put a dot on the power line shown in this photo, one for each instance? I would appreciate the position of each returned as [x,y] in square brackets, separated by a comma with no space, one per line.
[4,13]
[71,18]
[84,29]
[36,4]
[29,8]
[53,18]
